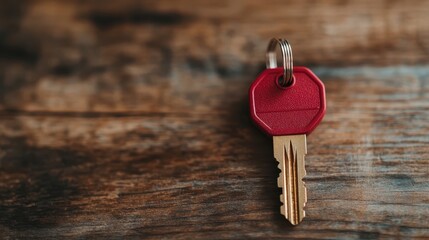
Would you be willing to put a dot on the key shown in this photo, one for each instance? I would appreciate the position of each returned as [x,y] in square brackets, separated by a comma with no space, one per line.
[288,114]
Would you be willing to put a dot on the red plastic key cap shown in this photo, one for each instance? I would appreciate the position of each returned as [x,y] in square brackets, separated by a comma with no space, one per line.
[296,109]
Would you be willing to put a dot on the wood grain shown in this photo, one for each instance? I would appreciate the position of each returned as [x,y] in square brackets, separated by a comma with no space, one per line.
[128,119]
[212,175]
[115,56]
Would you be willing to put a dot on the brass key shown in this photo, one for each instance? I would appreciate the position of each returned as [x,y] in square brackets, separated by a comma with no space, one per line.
[288,103]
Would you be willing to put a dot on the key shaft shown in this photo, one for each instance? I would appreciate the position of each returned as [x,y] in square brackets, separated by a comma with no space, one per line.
[290,152]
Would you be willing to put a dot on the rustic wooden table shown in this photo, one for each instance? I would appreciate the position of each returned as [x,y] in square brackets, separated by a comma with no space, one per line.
[129,119]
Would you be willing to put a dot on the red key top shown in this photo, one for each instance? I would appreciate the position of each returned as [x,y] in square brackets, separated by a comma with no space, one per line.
[296,109]
[288,114]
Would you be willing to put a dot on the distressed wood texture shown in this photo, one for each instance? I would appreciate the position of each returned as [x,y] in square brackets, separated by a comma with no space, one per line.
[143,55]
[129,119]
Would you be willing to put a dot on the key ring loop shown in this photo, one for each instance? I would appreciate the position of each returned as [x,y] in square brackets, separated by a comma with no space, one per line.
[271,59]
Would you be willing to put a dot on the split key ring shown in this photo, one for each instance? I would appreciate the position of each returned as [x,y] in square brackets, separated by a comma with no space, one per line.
[271,59]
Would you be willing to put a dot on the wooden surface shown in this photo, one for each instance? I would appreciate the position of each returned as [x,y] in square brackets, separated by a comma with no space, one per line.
[129,119]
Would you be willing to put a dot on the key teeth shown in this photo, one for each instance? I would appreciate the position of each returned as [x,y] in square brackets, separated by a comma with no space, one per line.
[305,195]
[305,190]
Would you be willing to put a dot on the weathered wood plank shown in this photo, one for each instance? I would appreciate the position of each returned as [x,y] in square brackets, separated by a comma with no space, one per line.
[146,56]
[129,119]
[212,175]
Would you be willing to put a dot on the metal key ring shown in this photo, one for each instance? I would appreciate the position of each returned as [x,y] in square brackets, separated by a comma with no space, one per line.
[271,59]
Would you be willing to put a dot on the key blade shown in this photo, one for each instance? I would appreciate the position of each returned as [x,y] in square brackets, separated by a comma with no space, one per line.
[290,152]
